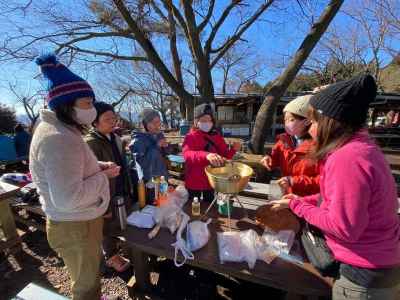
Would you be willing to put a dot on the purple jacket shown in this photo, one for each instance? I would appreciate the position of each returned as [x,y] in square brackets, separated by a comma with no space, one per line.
[358,214]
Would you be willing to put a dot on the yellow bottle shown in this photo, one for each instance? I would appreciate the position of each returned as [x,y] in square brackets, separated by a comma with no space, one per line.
[141,194]
[195,207]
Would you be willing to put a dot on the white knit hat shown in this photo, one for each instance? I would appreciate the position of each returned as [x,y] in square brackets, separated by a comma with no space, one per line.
[298,106]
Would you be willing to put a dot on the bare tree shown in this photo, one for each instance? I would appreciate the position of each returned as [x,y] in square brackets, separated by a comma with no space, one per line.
[132,31]
[265,114]
[31,102]
[239,65]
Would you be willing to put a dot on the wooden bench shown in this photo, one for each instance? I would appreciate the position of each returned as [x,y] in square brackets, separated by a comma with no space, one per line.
[11,240]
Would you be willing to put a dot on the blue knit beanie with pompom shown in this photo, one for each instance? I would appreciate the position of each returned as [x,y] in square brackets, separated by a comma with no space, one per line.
[63,85]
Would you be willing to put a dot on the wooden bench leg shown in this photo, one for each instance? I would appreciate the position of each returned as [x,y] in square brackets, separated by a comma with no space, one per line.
[139,285]
[7,221]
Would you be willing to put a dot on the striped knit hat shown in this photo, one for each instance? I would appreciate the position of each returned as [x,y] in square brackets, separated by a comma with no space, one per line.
[63,85]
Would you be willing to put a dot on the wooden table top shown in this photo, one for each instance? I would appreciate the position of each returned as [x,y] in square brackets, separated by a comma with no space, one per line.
[7,190]
[303,280]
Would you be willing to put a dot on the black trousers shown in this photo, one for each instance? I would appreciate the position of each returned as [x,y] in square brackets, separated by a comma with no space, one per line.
[208,195]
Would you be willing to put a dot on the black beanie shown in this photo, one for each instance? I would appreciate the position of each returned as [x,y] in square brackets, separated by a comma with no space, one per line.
[203,109]
[347,101]
[101,108]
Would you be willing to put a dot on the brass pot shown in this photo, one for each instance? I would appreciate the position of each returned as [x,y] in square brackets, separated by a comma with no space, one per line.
[229,179]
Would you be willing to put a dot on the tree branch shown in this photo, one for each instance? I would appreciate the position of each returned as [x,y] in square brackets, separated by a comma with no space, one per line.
[207,18]
[152,54]
[216,27]
[238,35]
[107,54]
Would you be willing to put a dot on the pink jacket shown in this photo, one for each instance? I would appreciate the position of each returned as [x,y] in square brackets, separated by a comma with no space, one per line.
[358,214]
[195,154]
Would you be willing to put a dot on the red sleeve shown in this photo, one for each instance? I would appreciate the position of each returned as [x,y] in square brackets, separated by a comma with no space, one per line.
[191,154]
[223,148]
[307,184]
[276,155]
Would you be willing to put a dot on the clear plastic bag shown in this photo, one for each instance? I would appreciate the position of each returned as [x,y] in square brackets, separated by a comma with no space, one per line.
[229,246]
[248,246]
[281,241]
[273,244]
[197,235]
[238,247]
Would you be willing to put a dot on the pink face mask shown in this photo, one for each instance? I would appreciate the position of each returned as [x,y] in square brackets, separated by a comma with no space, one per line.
[295,128]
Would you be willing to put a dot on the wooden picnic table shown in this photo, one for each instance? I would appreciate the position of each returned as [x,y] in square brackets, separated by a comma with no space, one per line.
[10,240]
[280,274]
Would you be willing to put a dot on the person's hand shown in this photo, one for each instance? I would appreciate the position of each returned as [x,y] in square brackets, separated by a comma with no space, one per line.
[112,172]
[284,183]
[279,204]
[290,196]
[236,146]
[215,160]
[163,143]
[267,162]
[106,165]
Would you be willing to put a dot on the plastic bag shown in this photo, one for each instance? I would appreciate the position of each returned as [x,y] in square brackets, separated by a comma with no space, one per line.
[249,251]
[273,244]
[238,247]
[179,196]
[275,190]
[143,218]
[180,245]
[229,246]
[168,216]
[197,234]
[281,241]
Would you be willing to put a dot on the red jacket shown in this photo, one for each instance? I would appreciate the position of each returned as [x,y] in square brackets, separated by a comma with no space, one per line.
[304,173]
[195,153]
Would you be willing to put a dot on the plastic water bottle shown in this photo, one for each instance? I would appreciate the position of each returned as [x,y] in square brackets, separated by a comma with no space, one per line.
[163,186]
[163,191]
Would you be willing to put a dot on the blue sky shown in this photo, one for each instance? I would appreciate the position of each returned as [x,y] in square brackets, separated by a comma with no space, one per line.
[274,38]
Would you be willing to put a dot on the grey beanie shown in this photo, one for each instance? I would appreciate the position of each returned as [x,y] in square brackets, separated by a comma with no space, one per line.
[148,115]
[203,109]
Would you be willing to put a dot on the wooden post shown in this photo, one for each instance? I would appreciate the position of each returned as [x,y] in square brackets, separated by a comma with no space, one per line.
[139,285]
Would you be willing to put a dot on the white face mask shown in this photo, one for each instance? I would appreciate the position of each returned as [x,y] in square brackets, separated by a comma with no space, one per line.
[85,116]
[205,126]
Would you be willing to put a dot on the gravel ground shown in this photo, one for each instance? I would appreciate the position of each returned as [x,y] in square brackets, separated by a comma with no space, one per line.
[39,264]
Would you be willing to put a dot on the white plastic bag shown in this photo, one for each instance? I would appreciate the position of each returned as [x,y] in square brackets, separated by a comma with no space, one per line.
[168,216]
[179,196]
[238,247]
[180,244]
[197,234]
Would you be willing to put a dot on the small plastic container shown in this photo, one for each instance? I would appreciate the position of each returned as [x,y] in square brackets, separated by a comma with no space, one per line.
[195,207]
[223,207]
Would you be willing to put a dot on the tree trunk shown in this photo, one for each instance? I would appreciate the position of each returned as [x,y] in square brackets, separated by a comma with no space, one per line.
[265,115]
[175,56]
[152,54]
